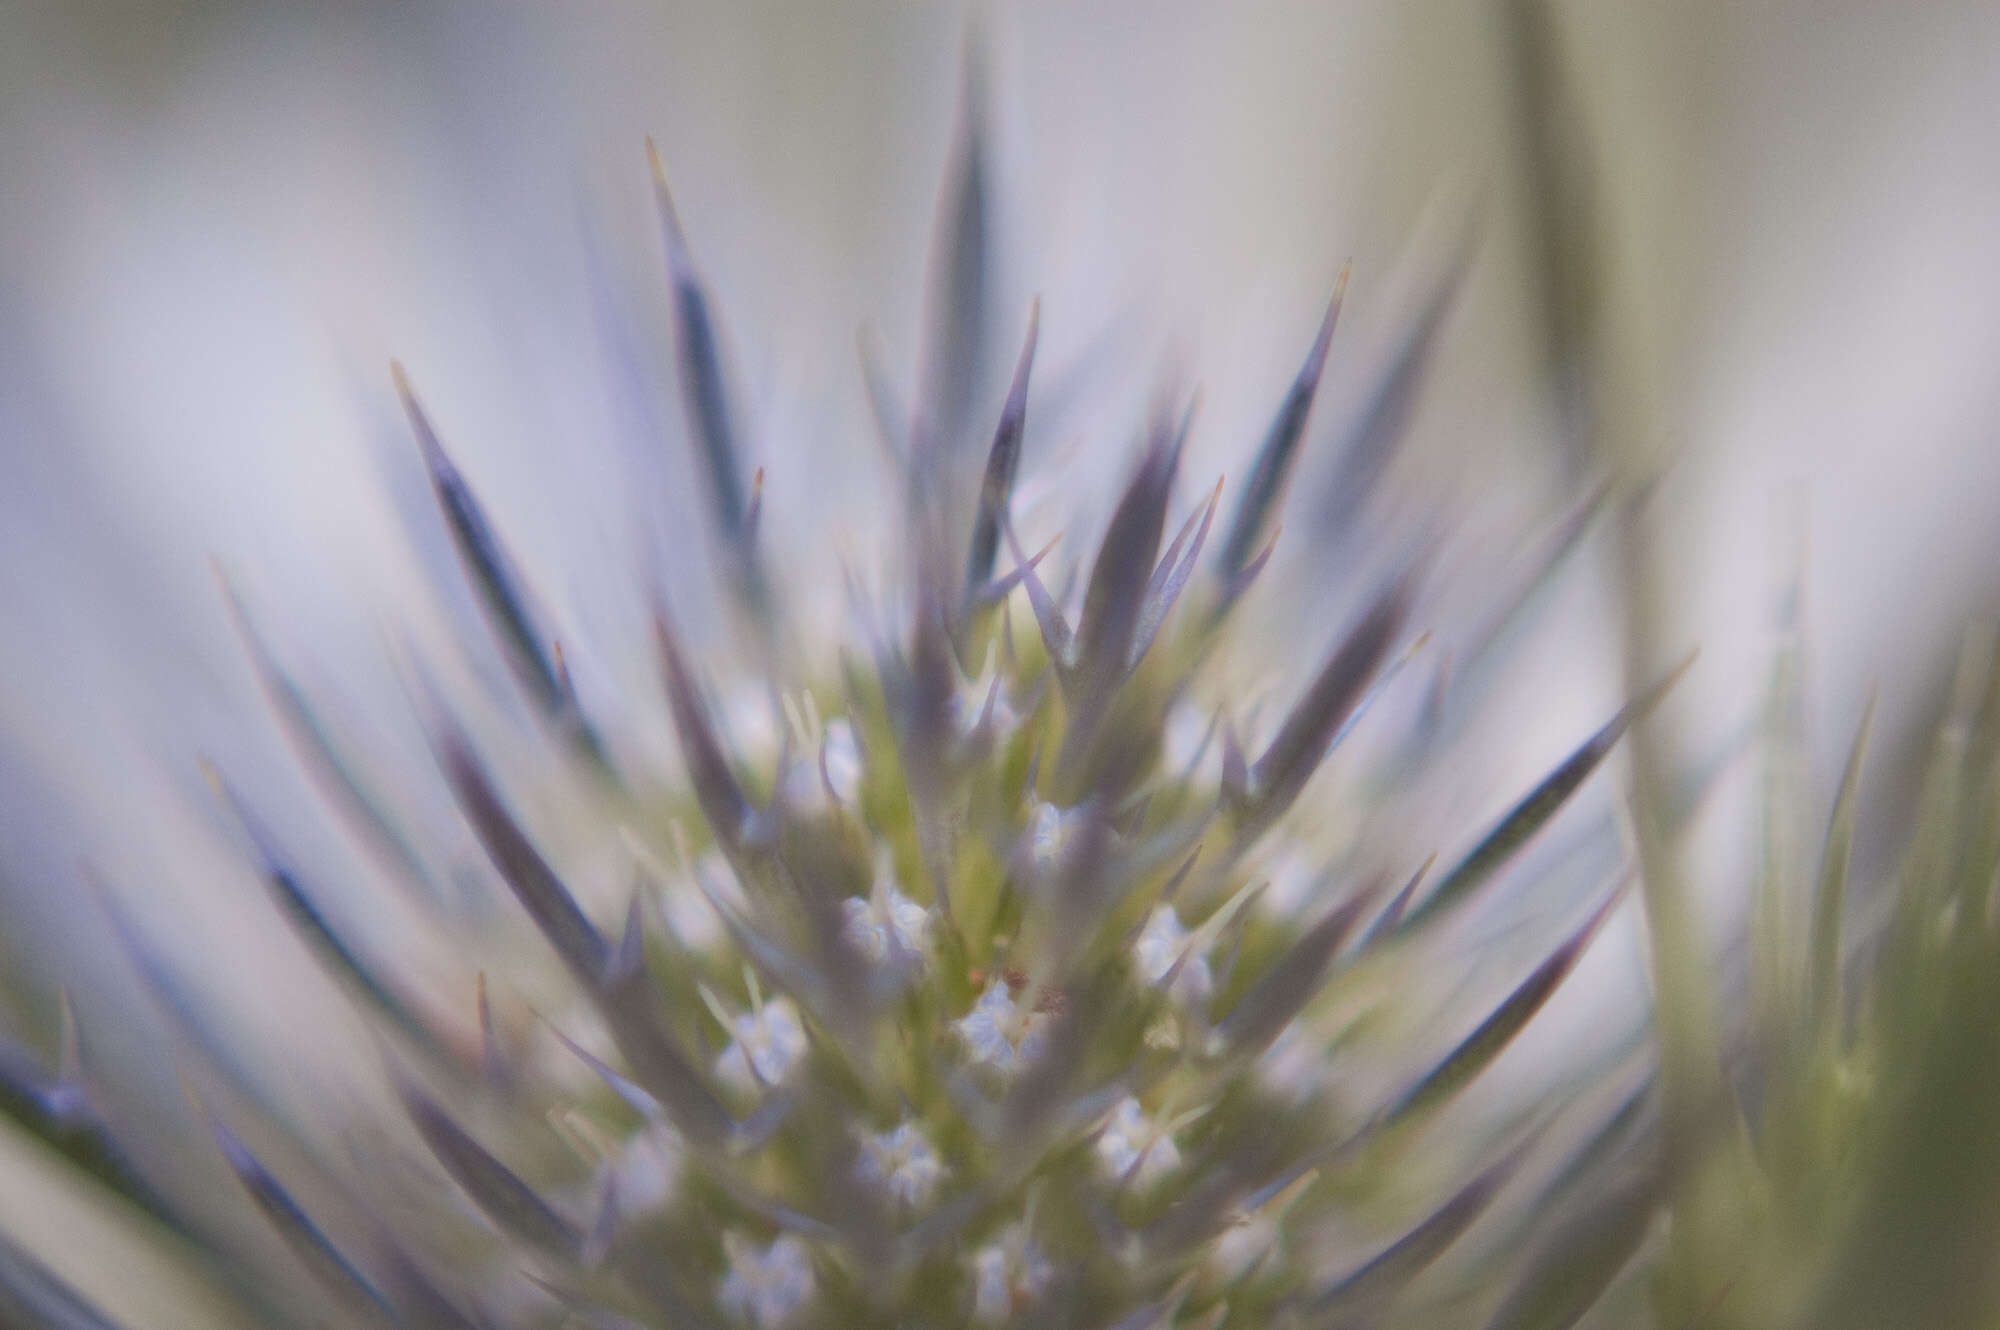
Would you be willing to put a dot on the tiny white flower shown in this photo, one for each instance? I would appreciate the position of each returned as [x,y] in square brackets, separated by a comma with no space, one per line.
[887,923]
[647,1170]
[840,761]
[766,1286]
[769,1038]
[1160,946]
[901,1162]
[1000,1032]
[1049,834]
[1008,1275]
[1133,1144]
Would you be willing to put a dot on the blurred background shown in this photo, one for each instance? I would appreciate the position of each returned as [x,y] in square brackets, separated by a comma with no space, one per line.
[221,221]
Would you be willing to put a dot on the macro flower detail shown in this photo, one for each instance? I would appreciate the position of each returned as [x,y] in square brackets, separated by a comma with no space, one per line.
[885,926]
[1009,1275]
[1164,948]
[1001,1031]
[1135,1148]
[901,1162]
[769,1287]
[766,1043]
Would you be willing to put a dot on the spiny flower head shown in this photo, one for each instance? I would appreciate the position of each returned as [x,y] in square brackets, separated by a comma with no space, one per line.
[981,1000]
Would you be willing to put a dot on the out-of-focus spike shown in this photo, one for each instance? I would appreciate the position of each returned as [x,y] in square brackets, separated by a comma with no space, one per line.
[1823,980]
[1374,432]
[1001,463]
[304,915]
[1308,732]
[495,1188]
[1384,1276]
[997,590]
[1235,587]
[959,282]
[704,392]
[314,1249]
[722,800]
[1534,811]
[1115,597]
[1272,470]
[336,780]
[1386,922]
[884,402]
[541,893]
[1170,578]
[1057,638]
[1477,1050]
[496,1066]
[1157,1315]
[1575,1262]
[32,1295]
[755,510]
[632,1011]
[1268,1008]
[485,560]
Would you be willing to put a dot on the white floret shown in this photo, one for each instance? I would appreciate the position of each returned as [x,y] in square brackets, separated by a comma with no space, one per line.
[766,1286]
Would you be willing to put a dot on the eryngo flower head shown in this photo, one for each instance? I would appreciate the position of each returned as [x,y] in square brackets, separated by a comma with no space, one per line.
[1003,1031]
[984,872]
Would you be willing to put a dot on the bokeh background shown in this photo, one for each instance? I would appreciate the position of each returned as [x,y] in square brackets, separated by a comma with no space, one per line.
[220,221]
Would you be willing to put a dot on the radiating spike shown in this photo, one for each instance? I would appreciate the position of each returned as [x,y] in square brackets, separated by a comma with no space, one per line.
[305,917]
[1477,1050]
[722,800]
[1268,1008]
[1157,1315]
[314,1249]
[628,961]
[704,393]
[1824,978]
[58,1112]
[486,562]
[1270,473]
[337,782]
[496,1067]
[659,1065]
[1171,577]
[167,990]
[1533,812]
[1234,589]
[1001,463]
[541,893]
[496,1189]
[420,1304]
[997,590]
[1373,433]
[1308,732]
[1235,769]
[1385,1275]
[1577,1259]
[1115,597]
[634,1096]
[1056,636]
[1392,914]
[31,1296]
[891,416]
[958,285]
